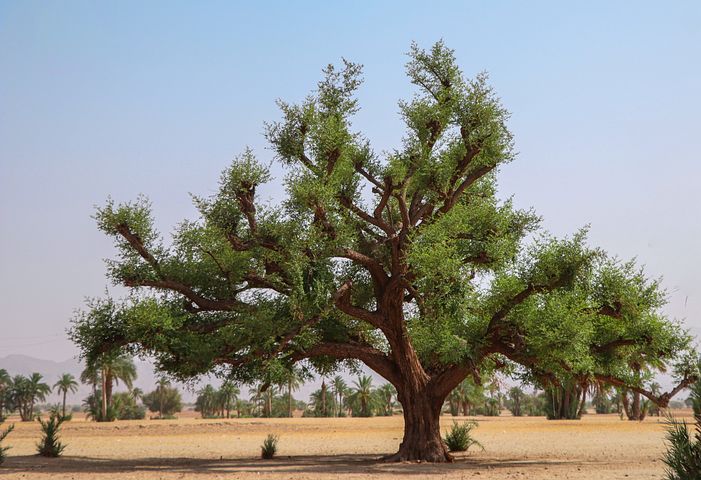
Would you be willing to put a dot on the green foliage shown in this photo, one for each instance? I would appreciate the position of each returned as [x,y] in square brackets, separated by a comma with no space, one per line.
[385,395]
[565,401]
[165,400]
[106,370]
[322,403]
[5,395]
[3,434]
[362,401]
[50,445]
[65,384]
[92,406]
[459,437]
[269,447]
[25,392]
[683,455]
[410,256]
[125,407]
[516,401]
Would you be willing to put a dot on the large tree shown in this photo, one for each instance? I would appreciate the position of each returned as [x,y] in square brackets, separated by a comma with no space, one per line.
[407,262]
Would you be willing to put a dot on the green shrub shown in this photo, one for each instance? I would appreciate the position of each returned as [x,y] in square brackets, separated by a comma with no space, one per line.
[683,455]
[459,438]
[50,446]
[4,434]
[269,447]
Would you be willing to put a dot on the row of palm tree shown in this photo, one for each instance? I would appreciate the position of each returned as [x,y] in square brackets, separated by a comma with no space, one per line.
[361,399]
[22,393]
[218,403]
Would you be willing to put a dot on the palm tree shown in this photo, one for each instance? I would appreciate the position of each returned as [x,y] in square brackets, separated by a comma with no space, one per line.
[323,397]
[26,391]
[108,370]
[294,381]
[257,397]
[228,394]
[386,393]
[136,393]
[207,401]
[269,395]
[161,391]
[66,383]
[363,394]
[339,388]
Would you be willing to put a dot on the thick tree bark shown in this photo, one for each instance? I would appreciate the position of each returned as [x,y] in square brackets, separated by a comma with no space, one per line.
[422,440]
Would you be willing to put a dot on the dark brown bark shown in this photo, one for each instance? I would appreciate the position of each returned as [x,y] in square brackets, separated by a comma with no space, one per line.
[422,440]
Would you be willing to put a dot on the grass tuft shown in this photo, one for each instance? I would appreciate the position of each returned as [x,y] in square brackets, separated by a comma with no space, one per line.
[269,447]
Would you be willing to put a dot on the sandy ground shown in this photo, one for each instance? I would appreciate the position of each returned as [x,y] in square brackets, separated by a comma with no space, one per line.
[599,446]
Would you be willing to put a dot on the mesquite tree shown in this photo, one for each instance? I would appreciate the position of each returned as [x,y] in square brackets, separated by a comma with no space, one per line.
[407,262]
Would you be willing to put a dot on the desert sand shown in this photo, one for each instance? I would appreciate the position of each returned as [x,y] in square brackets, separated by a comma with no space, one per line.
[597,447]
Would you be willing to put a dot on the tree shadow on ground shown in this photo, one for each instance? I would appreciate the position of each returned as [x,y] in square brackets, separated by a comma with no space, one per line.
[311,464]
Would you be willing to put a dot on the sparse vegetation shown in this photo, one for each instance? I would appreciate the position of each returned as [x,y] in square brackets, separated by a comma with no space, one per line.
[50,444]
[3,434]
[459,437]
[269,448]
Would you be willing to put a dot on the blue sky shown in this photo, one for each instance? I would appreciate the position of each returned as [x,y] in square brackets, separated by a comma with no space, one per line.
[101,99]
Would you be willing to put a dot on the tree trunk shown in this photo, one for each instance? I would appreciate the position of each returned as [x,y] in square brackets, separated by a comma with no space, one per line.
[422,440]
[64,404]
[582,403]
[104,397]
[289,394]
[636,406]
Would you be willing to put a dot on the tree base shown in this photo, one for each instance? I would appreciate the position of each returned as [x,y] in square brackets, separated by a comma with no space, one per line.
[420,452]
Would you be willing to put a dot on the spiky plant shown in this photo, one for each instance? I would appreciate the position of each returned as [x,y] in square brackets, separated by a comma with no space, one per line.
[683,456]
[50,446]
[459,438]
[4,434]
[269,447]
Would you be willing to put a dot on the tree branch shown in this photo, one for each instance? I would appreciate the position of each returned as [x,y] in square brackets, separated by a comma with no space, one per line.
[203,303]
[370,356]
[342,300]
[661,401]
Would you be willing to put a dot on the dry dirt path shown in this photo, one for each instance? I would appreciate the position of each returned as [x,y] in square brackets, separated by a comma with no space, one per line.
[598,447]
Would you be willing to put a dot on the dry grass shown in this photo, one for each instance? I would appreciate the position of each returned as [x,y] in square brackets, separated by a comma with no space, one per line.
[598,446]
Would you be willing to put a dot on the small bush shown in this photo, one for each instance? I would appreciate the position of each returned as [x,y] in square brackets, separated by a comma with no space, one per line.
[269,447]
[4,434]
[683,455]
[459,438]
[50,446]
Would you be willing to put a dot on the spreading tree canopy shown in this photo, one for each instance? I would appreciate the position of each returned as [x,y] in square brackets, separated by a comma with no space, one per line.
[407,262]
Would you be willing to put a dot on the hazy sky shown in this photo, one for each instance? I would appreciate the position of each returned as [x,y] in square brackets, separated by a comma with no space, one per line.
[120,98]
